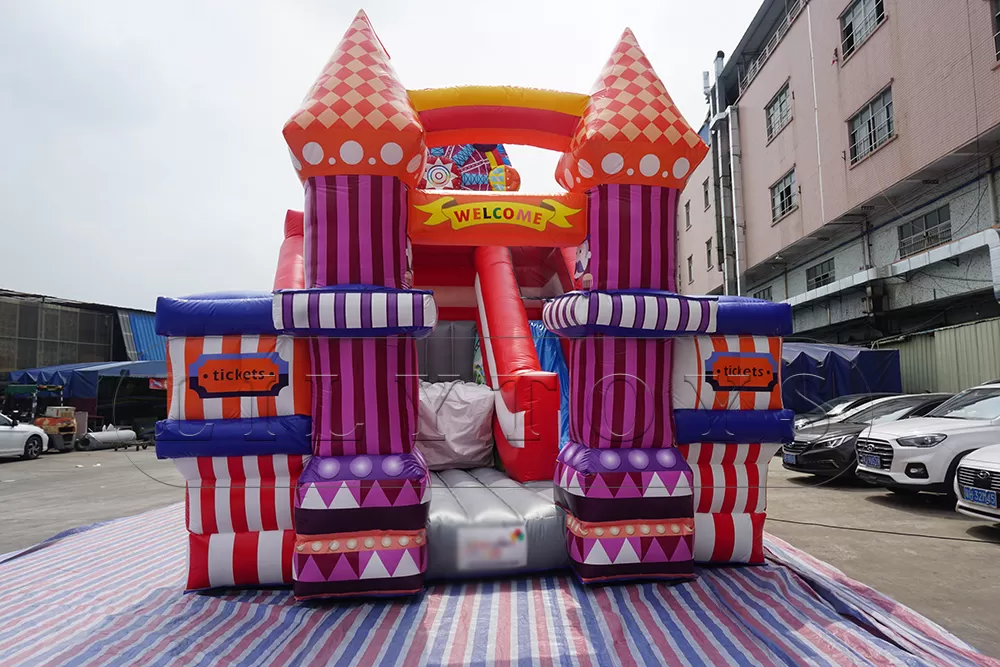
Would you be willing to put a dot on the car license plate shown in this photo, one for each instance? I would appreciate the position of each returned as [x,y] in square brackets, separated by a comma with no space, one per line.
[980,496]
[790,459]
[870,460]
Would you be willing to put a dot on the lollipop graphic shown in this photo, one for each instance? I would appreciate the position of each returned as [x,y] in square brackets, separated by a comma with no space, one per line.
[470,167]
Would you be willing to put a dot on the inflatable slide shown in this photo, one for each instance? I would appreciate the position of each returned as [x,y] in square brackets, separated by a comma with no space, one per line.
[333,433]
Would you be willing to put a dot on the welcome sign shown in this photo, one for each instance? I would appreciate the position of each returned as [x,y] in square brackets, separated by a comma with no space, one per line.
[501,218]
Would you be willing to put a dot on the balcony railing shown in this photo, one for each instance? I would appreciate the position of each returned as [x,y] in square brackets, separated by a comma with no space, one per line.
[750,71]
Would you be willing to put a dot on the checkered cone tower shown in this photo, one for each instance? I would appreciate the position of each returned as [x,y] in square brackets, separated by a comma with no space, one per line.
[361,503]
[625,487]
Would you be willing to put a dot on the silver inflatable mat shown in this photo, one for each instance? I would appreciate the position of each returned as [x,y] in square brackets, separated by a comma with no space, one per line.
[482,523]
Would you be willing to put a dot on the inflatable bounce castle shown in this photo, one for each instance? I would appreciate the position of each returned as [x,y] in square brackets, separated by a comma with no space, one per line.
[300,417]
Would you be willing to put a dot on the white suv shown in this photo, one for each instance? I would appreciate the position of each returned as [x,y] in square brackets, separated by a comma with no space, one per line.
[977,484]
[922,454]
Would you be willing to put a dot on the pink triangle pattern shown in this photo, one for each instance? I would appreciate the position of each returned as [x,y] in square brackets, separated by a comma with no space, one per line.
[376,497]
[308,569]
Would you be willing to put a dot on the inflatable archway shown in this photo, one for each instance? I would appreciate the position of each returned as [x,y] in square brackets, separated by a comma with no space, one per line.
[293,415]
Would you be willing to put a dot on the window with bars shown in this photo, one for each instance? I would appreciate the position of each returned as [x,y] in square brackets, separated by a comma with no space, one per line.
[925,232]
[819,275]
[687,215]
[858,22]
[764,294]
[778,112]
[707,189]
[708,253]
[996,27]
[690,269]
[872,126]
[783,196]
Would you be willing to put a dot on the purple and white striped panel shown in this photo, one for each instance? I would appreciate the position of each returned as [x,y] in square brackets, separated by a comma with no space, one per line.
[629,315]
[350,313]
[354,231]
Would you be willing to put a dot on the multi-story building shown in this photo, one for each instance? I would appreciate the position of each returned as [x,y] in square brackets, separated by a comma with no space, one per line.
[853,172]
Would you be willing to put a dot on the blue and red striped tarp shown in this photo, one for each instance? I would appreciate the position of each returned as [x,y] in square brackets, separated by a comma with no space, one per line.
[111,594]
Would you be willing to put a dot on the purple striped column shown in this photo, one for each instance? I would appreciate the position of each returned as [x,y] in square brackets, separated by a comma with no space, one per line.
[620,392]
[364,395]
[632,239]
[355,231]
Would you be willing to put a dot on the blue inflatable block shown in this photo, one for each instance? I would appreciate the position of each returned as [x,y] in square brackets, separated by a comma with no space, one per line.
[733,426]
[752,317]
[223,314]
[183,438]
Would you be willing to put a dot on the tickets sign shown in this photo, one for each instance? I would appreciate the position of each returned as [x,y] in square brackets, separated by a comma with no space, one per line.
[238,375]
[741,371]
[502,218]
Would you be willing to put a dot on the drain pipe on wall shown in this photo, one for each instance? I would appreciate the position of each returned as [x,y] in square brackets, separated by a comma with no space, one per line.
[736,192]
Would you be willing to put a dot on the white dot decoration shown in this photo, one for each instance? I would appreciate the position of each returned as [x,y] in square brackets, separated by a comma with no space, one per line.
[681,167]
[584,532]
[665,174]
[577,179]
[612,163]
[332,160]
[644,529]
[391,153]
[418,539]
[351,152]
[674,528]
[403,541]
[568,177]
[585,169]
[392,465]
[630,530]
[328,468]
[312,153]
[610,460]
[295,160]
[387,541]
[300,547]
[649,165]
[352,543]
[660,528]
[317,546]
[369,542]
[371,160]
[334,545]
[630,172]
[615,530]
[361,466]
[598,531]
[639,459]
[414,162]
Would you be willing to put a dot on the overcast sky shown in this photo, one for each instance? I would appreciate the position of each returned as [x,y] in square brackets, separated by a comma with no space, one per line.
[140,142]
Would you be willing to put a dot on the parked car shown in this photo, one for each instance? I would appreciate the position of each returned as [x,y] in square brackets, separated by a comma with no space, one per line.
[834,408]
[24,440]
[828,449]
[977,484]
[923,454]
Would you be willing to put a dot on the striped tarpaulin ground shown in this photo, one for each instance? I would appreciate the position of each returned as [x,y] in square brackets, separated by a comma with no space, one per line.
[112,595]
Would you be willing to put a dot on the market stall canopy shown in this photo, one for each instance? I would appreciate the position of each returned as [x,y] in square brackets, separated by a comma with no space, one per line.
[823,371]
[80,380]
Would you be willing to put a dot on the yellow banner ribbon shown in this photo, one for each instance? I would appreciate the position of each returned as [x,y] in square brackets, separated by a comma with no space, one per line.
[498,213]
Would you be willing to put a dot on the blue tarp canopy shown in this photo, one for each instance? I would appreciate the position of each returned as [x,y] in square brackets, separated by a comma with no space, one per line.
[816,372]
[80,380]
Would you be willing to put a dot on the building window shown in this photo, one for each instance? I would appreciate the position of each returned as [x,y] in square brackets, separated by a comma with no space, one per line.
[708,253]
[819,275]
[764,294]
[925,232]
[778,112]
[783,196]
[872,126]
[687,215]
[707,190]
[996,27]
[690,269]
[858,22]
